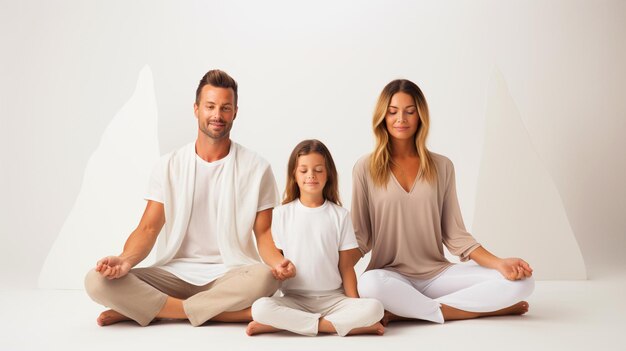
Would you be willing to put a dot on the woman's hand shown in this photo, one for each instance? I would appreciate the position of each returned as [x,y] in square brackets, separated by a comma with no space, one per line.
[511,268]
[514,268]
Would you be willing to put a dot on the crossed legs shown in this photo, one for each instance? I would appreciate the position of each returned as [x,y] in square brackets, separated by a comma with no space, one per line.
[463,291]
[146,294]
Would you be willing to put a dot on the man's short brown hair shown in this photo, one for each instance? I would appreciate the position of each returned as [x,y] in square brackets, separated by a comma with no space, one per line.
[216,78]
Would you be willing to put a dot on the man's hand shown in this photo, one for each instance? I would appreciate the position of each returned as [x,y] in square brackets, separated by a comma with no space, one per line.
[138,244]
[113,267]
[514,268]
[284,270]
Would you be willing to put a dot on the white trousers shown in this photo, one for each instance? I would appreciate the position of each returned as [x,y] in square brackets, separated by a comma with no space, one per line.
[300,314]
[467,287]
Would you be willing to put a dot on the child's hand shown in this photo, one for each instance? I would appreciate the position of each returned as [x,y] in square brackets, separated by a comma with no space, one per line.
[284,270]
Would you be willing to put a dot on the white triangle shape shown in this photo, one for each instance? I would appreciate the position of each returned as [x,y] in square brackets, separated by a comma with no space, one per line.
[519,211]
[110,202]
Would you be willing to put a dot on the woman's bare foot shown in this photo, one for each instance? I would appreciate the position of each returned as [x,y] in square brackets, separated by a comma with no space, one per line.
[451,313]
[255,328]
[518,309]
[109,317]
[376,329]
[390,317]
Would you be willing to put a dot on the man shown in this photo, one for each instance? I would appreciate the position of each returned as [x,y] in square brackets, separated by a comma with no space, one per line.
[210,195]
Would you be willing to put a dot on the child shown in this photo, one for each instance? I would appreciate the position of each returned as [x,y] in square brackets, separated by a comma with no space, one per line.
[315,233]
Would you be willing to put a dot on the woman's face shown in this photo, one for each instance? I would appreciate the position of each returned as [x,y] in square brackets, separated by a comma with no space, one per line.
[401,118]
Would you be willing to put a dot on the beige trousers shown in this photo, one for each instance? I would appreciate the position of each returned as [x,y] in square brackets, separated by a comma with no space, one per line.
[300,314]
[141,294]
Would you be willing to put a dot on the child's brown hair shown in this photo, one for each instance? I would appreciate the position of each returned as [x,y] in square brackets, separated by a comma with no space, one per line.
[331,189]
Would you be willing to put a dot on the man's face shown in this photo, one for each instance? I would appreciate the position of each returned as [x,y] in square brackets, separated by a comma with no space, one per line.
[215,111]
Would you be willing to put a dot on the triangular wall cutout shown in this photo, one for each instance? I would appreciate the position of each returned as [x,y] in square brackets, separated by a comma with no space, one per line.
[519,211]
[110,202]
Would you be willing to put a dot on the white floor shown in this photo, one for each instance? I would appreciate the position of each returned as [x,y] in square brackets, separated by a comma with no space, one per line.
[577,315]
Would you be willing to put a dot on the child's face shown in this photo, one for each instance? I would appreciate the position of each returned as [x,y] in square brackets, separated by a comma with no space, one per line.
[311,174]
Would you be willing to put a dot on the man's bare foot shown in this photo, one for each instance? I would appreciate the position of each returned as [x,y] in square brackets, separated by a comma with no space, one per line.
[255,328]
[244,316]
[376,329]
[109,317]
[390,317]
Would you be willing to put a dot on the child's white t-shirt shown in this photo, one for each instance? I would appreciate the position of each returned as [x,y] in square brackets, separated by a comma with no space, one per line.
[312,238]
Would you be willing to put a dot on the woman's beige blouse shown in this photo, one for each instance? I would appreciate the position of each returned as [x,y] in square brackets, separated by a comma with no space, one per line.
[406,231]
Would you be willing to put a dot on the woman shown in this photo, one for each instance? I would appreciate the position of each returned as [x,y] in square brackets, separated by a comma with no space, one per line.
[405,208]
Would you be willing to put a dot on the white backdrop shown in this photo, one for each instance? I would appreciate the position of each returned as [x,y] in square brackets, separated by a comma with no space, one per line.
[71,68]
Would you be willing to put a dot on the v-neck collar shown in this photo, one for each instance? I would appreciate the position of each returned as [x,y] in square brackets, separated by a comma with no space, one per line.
[400,185]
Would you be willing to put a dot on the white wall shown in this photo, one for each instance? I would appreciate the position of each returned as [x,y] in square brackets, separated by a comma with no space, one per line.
[312,70]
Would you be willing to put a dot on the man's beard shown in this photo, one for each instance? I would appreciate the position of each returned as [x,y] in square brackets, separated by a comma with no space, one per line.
[206,130]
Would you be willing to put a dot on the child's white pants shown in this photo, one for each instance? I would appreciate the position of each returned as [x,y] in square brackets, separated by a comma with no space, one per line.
[300,314]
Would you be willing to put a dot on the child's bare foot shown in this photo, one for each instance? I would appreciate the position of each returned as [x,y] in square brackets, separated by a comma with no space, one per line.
[255,328]
[390,317]
[376,329]
[109,317]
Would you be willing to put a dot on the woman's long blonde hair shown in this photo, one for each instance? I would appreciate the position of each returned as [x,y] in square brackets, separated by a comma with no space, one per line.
[331,189]
[380,161]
